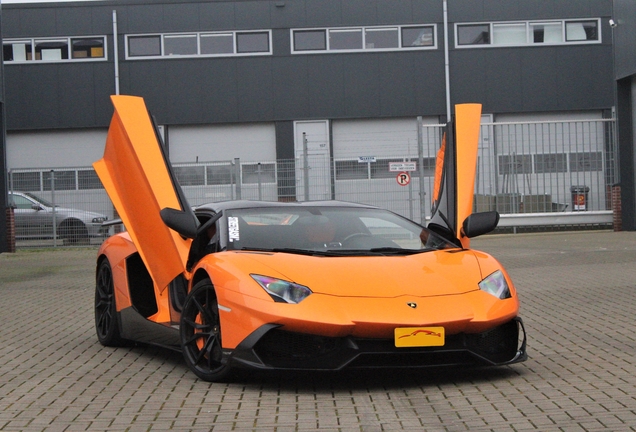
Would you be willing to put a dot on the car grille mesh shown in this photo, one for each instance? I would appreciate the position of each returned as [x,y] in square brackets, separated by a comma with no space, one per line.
[282,349]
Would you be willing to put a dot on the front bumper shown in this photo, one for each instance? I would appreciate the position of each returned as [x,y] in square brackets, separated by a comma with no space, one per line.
[270,347]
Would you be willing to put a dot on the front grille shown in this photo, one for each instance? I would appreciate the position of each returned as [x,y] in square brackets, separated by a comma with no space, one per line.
[278,347]
[288,350]
[497,345]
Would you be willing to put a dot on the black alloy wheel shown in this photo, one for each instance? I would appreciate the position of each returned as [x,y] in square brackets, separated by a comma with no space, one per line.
[106,324]
[201,333]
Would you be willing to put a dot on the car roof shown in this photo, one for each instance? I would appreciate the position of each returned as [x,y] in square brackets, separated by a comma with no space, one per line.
[243,204]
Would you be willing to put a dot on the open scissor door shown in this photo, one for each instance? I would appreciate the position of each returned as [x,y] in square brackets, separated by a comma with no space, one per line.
[455,173]
[139,180]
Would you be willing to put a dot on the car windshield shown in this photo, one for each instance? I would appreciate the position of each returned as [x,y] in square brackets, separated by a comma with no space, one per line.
[329,230]
[40,200]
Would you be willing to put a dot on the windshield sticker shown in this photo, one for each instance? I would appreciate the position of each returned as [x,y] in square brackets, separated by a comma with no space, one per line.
[233,228]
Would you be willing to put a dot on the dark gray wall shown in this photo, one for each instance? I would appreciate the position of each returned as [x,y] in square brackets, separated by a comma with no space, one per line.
[286,87]
[625,64]
[4,245]
[625,37]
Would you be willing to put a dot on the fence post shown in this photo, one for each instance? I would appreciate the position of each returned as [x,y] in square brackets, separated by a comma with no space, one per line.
[53,213]
[305,167]
[237,177]
[258,175]
[420,162]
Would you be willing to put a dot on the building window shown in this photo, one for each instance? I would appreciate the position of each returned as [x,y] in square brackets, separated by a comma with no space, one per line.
[550,163]
[258,173]
[473,34]
[180,44]
[376,38]
[351,170]
[509,34]
[310,40]
[515,164]
[581,31]
[218,174]
[525,33]
[51,50]
[54,49]
[17,51]
[252,42]
[581,162]
[217,43]
[87,48]
[143,46]
[547,32]
[190,175]
[418,36]
[87,179]
[25,181]
[198,44]
[62,180]
[345,39]
[363,39]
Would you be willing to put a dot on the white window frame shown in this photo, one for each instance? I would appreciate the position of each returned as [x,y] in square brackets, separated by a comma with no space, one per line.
[529,34]
[363,29]
[65,39]
[199,35]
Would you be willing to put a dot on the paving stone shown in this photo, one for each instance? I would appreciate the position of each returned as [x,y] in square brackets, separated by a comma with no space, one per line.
[577,293]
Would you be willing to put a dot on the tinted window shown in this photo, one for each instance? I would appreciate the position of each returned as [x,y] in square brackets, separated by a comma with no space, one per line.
[252,42]
[308,40]
[477,34]
[144,46]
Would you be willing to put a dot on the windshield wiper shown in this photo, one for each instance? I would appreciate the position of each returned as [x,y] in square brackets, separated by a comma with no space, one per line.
[383,251]
[284,250]
[397,251]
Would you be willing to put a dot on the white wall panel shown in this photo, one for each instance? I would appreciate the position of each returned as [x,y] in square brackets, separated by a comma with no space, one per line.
[55,149]
[558,116]
[376,137]
[249,142]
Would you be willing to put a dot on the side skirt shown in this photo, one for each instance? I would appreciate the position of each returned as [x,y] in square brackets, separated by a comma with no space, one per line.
[136,328]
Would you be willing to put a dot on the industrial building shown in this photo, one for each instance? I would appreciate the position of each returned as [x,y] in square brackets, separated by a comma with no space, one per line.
[351,86]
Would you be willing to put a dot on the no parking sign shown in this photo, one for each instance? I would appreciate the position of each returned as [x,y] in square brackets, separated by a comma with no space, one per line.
[403,178]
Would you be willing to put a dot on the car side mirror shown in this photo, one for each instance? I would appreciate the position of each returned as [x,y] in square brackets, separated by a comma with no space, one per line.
[36,207]
[182,222]
[480,223]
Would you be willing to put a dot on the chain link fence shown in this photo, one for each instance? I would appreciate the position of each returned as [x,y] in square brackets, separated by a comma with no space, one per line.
[553,169]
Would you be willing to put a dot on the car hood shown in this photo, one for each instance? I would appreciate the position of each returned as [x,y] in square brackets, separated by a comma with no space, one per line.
[80,214]
[434,273]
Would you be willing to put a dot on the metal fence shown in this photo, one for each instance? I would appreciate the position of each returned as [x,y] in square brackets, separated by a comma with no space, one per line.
[532,173]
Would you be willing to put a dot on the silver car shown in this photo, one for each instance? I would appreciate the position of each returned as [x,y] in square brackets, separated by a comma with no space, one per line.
[34,219]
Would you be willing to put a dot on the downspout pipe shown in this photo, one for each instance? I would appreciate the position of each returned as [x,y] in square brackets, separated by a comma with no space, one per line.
[447,62]
[116,51]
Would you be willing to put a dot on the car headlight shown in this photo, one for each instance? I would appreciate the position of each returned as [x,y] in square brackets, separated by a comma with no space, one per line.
[496,285]
[100,219]
[282,291]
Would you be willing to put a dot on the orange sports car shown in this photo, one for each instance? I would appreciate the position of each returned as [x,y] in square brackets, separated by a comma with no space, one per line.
[303,286]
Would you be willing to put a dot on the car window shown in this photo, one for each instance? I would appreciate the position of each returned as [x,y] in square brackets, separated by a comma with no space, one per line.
[21,202]
[326,229]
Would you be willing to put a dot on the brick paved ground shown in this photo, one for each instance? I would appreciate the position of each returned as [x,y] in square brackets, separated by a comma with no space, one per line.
[578,301]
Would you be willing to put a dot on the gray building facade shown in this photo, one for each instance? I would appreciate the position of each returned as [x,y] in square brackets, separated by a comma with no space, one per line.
[205,67]
[624,29]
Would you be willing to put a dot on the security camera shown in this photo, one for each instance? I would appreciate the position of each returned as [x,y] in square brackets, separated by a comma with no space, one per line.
[612,23]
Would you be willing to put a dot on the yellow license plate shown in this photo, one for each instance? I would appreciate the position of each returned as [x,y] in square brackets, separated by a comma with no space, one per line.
[419,336]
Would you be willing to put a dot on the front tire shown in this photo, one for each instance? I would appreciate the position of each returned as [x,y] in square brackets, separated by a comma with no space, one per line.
[201,333]
[106,323]
[74,232]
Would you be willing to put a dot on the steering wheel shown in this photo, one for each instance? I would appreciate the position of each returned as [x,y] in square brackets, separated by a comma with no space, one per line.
[354,236]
